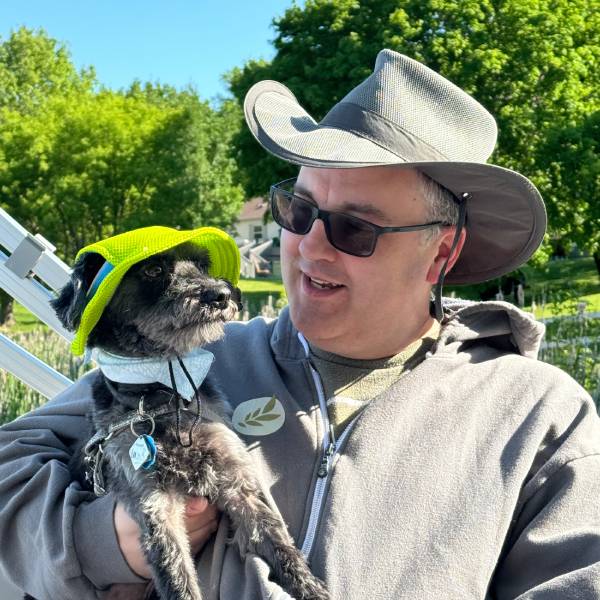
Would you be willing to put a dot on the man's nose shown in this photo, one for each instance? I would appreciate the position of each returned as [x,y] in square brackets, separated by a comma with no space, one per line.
[315,245]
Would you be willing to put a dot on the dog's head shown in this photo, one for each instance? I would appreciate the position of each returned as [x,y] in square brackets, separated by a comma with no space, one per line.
[164,305]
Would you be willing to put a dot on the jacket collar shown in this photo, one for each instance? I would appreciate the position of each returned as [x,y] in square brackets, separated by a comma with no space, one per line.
[496,323]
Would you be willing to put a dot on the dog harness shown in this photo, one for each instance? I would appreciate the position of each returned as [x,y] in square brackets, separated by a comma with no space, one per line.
[94,451]
[183,377]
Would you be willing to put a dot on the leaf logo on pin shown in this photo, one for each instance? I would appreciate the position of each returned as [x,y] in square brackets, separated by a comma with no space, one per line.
[259,416]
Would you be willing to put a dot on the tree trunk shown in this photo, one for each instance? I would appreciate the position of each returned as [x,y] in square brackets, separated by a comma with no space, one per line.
[596,255]
[6,304]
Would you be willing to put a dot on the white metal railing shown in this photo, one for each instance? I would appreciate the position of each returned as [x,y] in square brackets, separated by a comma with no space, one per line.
[252,262]
[30,369]
[29,272]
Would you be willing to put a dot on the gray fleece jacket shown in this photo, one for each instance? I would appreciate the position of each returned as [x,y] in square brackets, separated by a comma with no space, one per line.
[476,476]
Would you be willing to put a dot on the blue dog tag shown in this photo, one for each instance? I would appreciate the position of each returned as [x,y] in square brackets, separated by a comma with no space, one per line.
[143,452]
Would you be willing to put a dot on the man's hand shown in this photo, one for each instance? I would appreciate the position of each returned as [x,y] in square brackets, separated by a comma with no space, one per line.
[201,519]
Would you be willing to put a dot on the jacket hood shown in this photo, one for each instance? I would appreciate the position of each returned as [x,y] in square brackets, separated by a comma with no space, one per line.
[498,324]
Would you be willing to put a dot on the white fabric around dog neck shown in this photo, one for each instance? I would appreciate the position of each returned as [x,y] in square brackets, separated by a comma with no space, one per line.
[123,369]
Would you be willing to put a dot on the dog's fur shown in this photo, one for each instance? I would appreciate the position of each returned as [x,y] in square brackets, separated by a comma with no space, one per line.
[164,307]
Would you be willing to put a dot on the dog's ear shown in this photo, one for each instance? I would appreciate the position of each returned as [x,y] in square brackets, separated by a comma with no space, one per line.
[71,301]
[236,296]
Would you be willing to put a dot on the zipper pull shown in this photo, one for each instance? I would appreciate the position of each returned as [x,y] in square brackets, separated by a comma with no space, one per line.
[324,466]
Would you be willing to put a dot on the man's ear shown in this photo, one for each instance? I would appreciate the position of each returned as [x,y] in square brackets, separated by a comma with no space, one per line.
[71,302]
[443,246]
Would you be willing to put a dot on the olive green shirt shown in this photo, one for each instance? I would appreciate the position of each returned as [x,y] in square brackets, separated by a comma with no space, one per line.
[349,383]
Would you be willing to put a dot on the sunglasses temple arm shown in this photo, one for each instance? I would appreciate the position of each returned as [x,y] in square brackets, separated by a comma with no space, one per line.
[462,212]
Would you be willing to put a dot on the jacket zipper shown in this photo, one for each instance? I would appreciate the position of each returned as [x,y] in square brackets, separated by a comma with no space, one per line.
[329,451]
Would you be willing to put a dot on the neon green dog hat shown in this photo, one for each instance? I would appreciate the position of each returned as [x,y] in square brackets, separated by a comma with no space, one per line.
[126,249]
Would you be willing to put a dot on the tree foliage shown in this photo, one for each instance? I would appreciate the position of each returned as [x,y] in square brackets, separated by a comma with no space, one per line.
[534,65]
[79,162]
[33,67]
[571,167]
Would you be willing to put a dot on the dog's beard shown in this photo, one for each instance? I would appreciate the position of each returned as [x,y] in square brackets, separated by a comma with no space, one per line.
[182,324]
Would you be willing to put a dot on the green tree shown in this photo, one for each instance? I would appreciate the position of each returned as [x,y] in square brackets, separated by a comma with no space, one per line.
[534,65]
[570,158]
[78,162]
[34,66]
[91,165]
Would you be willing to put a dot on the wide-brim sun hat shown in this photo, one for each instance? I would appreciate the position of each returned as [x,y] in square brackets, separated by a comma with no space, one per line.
[406,115]
[122,251]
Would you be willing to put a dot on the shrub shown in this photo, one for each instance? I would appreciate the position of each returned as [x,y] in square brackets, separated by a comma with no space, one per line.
[573,344]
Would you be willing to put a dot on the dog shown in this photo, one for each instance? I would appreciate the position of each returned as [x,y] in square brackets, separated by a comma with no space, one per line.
[164,307]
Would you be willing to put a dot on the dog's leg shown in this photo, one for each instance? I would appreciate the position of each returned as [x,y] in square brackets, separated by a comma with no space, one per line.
[225,474]
[167,548]
[258,527]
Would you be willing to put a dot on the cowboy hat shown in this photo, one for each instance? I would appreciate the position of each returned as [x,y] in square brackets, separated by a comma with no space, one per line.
[406,115]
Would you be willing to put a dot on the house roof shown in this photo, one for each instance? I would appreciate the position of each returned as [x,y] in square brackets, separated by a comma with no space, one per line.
[253,209]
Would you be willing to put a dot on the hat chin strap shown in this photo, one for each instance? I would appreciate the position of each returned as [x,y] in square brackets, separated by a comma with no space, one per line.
[462,213]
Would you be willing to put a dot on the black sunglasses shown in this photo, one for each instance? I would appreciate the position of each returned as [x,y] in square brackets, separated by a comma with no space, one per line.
[346,233]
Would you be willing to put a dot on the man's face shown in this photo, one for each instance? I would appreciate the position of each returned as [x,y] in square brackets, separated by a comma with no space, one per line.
[354,306]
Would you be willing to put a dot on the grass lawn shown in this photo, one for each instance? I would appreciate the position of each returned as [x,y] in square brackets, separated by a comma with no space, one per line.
[23,320]
[577,274]
[555,288]
[256,292]
[560,285]
[262,285]
[553,309]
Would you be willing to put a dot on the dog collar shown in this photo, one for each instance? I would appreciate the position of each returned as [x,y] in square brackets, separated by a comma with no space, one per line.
[123,369]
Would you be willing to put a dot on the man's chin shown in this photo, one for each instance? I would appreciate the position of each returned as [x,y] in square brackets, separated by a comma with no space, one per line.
[314,324]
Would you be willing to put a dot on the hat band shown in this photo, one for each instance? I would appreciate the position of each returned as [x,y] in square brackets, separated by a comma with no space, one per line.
[379,130]
[100,277]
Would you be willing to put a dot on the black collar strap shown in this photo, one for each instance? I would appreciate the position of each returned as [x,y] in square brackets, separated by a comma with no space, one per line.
[129,394]
[140,415]
[462,215]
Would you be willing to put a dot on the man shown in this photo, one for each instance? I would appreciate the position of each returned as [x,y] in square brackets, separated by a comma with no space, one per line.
[410,456]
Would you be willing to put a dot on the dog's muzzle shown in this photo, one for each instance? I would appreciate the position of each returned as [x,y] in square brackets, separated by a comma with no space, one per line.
[217,297]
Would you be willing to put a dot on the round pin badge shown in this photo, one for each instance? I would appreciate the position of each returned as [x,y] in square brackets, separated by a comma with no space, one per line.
[259,416]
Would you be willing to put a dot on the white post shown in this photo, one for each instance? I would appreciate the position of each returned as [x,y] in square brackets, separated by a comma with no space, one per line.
[30,369]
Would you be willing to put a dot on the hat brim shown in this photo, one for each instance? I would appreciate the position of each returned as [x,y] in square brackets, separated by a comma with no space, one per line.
[506,217]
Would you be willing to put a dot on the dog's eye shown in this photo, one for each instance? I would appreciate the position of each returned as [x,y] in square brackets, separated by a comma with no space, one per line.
[153,271]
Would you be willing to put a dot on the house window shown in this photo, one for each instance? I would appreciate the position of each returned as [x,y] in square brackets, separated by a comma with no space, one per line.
[257,233]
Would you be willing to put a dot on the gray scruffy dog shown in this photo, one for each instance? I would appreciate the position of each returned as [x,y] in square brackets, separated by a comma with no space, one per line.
[164,307]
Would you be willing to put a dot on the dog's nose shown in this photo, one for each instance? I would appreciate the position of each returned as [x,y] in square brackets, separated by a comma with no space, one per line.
[218,296]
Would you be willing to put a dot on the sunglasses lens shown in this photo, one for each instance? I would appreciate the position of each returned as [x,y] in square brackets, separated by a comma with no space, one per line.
[346,233]
[292,213]
[351,235]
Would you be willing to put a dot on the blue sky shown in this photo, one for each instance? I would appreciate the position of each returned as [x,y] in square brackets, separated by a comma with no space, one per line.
[172,41]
